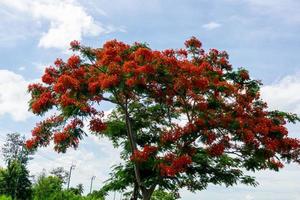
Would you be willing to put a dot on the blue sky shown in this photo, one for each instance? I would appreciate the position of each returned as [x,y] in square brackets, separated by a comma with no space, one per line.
[261,35]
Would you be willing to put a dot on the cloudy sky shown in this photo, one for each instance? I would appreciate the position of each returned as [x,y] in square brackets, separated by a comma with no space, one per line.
[261,35]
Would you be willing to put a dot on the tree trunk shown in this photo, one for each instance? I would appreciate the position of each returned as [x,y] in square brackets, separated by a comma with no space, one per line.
[135,193]
[147,193]
[133,146]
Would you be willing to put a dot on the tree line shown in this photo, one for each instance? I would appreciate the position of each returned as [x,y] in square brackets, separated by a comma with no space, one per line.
[16,183]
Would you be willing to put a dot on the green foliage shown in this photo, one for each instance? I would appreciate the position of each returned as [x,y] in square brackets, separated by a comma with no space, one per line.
[95,195]
[162,195]
[14,181]
[47,187]
[50,188]
[78,190]
[3,197]
[64,195]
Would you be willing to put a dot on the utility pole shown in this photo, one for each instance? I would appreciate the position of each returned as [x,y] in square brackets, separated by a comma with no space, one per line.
[115,195]
[91,187]
[70,173]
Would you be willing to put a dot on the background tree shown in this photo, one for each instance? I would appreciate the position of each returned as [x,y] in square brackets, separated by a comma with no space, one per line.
[14,181]
[78,190]
[47,187]
[14,149]
[61,173]
[184,117]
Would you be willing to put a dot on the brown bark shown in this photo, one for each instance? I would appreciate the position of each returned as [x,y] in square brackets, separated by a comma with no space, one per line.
[147,193]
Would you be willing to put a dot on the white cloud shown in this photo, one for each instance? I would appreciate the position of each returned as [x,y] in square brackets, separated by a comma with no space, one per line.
[13,95]
[67,19]
[211,25]
[284,94]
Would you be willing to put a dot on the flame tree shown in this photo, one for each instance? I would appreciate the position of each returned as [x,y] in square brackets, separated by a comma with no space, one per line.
[183,117]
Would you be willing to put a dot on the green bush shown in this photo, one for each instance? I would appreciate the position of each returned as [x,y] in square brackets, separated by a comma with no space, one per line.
[3,197]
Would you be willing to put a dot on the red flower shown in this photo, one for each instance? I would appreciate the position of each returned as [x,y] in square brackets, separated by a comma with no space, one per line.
[36,131]
[74,61]
[129,66]
[142,55]
[149,149]
[169,52]
[131,82]
[166,170]
[244,74]
[216,149]
[200,122]
[107,81]
[142,156]
[277,164]
[201,83]
[58,62]
[50,75]
[96,125]
[75,44]
[193,43]
[42,102]
[65,100]
[211,137]
[248,136]
[60,137]
[182,52]
[181,163]
[65,82]
[30,144]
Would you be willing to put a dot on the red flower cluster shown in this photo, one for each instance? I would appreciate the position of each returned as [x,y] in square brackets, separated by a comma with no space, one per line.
[50,75]
[177,133]
[277,163]
[66,82]
[97,125]
[107,81]
[74,61]
[75,44]
[244,74]
[44,100]
[142,55]
[41,134]
[216,149]
[143,156]
[69,136]
[193,42]
[60,137]
[65,100]
[31,143]
[178,165]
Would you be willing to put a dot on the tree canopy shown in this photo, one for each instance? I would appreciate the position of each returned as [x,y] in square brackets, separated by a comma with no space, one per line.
[184,117]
